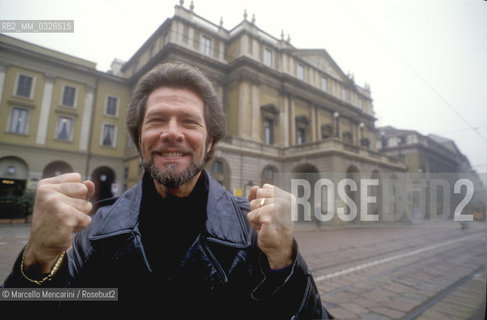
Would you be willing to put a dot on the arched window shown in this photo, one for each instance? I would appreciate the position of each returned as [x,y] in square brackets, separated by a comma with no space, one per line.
[56,168]
[104,180]
[220,170]
[269,175]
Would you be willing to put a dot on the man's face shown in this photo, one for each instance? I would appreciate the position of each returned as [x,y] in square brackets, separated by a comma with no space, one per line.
[174,136]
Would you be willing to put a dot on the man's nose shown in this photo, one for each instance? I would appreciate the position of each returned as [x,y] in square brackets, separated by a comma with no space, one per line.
[172,132]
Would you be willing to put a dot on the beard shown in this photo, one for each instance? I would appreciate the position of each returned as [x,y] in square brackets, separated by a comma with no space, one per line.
[170,177]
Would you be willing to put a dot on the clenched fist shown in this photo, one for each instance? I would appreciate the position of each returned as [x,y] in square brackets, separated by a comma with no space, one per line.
[61,208]
[270,215]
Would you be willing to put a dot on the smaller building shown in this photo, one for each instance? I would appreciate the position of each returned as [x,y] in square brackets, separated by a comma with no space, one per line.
[421,153]
[439,177]
[59,114]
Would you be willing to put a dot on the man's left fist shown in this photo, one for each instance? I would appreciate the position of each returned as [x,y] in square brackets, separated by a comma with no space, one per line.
[270,216]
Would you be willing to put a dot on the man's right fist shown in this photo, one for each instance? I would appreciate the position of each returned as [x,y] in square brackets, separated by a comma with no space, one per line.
[61,208]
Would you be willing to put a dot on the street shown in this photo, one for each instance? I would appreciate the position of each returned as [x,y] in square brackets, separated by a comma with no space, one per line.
[424,271]
[13,238]
[433,270]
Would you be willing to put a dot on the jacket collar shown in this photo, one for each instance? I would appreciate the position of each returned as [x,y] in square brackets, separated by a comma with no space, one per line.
[225,223]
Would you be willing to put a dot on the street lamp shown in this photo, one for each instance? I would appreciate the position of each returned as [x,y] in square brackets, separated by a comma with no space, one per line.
[336,115]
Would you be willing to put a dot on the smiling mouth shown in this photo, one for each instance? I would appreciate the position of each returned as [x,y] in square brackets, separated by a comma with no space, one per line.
[171,154]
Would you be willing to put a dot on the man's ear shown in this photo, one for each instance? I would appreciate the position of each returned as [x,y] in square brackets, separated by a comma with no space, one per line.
[209,144]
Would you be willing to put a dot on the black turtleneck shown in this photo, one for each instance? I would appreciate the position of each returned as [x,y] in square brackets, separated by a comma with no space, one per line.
[170,225]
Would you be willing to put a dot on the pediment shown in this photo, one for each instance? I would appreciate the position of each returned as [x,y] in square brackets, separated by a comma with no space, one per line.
[323,61]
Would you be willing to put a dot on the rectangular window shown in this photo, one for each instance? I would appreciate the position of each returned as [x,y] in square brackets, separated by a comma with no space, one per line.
[205,45]
[64,128]
[108,135]
[326,131]
[324,84]
[300,72]
[360,104]
[268,57]
[24,86]
[268,131]
[217,167]
[301,136]
[269,175]
[111,107]
[347,136]
[18,121]
[69,95]
[344,94]
[411,139]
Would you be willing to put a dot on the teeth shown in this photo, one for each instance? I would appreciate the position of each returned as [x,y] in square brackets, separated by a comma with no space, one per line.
[172,154]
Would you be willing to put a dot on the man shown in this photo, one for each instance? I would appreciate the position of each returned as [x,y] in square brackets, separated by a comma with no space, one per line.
[176,244]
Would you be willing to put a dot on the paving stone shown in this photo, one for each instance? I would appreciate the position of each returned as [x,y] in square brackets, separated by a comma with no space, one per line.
[435,315]
[374,316]
[340,313]
[400,305]
[394,314]
[415,297]
[354,307]
[367,303]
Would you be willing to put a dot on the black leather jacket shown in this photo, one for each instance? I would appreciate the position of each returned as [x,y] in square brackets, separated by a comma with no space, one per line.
[224,275]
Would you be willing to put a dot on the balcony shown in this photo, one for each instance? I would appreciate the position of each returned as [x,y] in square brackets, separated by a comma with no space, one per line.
[323,147]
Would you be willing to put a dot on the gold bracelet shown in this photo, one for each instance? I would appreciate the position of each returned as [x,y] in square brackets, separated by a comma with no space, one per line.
[54,269]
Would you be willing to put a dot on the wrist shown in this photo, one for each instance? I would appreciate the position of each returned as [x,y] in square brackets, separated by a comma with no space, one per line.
[38,264]
[36,274]
[282,259]
[276,264]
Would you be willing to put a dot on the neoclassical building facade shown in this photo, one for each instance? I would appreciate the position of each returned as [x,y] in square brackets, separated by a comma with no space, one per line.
[290,112]
[59,114]
[288,109]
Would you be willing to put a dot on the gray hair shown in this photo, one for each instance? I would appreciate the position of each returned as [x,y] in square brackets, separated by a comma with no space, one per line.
[177,75]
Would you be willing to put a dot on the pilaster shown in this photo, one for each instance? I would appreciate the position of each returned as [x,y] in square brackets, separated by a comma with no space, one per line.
[45,109]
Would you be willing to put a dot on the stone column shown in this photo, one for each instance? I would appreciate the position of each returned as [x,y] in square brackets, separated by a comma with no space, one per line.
[256,118]
[292,122]
[244,45]
[314,128]
[284,118]
[255,48]
[191,38]
[243,112]
[86,122]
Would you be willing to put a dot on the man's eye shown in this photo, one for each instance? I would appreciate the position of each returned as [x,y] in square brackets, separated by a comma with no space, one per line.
[156,120]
